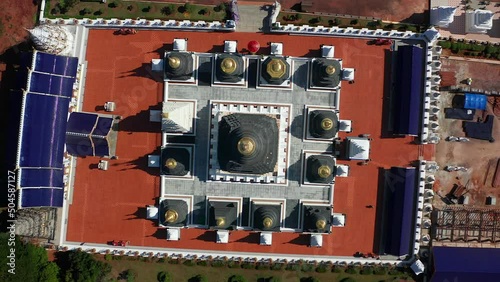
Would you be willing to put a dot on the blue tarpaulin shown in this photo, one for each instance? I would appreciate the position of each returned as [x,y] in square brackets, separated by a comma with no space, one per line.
[475,101]
[400,209]
[408,90]
[466,264]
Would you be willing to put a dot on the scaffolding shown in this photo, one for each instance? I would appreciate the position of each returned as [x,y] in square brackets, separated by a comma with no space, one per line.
[460,224]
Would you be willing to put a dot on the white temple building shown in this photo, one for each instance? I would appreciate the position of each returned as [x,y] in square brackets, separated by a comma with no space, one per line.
[442,16]
[478,21]
[53,39]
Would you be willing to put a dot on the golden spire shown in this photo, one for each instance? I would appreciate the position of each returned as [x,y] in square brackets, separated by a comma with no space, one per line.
[267,222]
[330,70]
[220,221]
[326,124]
[228,65]
[246,146]
[171,216]
[324,171]
[171,163]
[321,224]
[276,68]
[174,62]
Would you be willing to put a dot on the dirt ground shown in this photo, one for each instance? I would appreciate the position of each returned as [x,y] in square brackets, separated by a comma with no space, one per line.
[484,75]
[15,16]
[412,11]
[478,155]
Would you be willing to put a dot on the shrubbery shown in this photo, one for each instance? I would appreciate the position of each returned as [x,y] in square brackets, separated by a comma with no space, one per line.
[164,276]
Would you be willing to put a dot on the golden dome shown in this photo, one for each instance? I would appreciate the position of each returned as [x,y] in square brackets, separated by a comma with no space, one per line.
[276,68]
[171,216]
[326,124]
[174,62]
[228,65]
[220,221]
[267,222]
[171,163]
[324,171]
[246,146]
[330,70]
[321,224]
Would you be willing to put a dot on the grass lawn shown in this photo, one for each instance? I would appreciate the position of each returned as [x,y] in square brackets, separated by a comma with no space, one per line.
[325,20]
[148,271]
[133,10]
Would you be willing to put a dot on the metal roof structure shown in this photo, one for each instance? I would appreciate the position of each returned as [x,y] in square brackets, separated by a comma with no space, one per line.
[465,264]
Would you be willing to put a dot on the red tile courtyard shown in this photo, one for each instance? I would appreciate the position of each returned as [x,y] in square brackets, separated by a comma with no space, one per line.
[110,205]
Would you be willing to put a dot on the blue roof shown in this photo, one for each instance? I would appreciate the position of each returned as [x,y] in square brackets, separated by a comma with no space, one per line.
[475,101]
[41,177]
[55,64]
[466,264]
[87,134]
[42,197]
[400,203]
[43,128]
[410,68]
[51,84]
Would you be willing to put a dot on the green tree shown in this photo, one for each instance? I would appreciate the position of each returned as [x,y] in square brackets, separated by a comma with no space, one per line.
[354,22]
[31,262]
[167,10]
[164,276]
[309,279]
[237,278]
[80,266]
[348,279]
[130,275]
[49,273]
[198,278]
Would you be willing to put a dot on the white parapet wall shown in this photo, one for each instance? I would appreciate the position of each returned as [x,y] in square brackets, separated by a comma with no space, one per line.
[216,255]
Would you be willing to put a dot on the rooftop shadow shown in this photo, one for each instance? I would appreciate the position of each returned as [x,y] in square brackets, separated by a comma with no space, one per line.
[301,239]
[208,236]
[144,71]
[380,210]
[141,163]
[251,238]
[140,122]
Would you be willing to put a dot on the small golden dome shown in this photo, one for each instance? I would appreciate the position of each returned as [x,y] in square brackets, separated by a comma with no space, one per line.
[330,70]
[324,171]
[228,65]
[171,216]
[267,222]
[174,62]
[220,221]
[276,68]
[246,146]
[321,224]
[326,124]
[171,163]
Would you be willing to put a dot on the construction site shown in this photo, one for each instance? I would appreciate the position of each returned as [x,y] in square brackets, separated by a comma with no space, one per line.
[467,183]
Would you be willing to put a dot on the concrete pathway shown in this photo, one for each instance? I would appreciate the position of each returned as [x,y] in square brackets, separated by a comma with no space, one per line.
[253,18]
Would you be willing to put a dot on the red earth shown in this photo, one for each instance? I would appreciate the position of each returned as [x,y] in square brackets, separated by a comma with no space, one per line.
[15,16]
[109,205]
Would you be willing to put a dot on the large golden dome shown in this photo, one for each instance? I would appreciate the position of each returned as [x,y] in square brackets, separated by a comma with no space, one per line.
[324,171]
[276,68]
[174,62]
[171,163]
[327,124]
[267,222]
[330,70]
[246,146]
[228,65]
[171,216]
[321,224]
